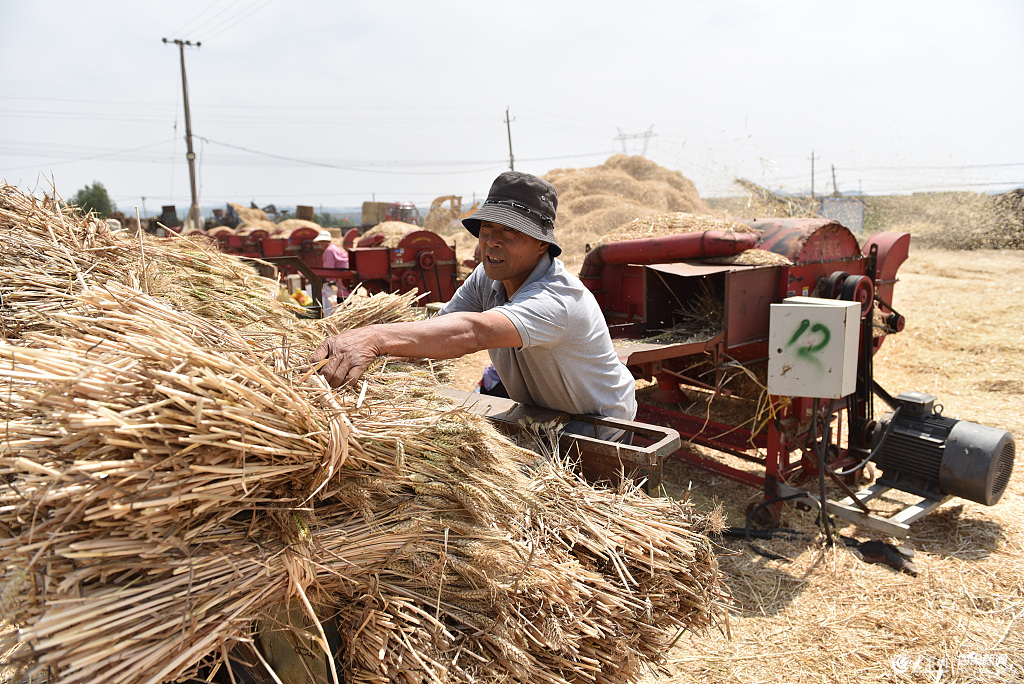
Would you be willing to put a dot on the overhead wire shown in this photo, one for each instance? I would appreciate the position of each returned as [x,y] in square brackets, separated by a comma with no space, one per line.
[89,157]
[236,19]
[189,24]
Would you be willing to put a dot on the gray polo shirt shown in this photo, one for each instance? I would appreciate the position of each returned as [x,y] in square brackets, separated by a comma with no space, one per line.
[567,361]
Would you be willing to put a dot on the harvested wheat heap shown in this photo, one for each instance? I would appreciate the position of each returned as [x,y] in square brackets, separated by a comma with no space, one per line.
[172,474]
[392,233]
[595,200]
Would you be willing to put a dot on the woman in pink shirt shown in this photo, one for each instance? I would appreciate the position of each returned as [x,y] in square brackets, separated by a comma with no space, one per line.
[333,257]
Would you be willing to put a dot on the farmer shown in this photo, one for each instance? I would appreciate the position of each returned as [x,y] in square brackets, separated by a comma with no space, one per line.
[542,328]
[333,257]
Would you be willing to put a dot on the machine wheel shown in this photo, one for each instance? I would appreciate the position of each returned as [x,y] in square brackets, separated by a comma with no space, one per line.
[834,283]
[409,279]
[426,260]
[859,289]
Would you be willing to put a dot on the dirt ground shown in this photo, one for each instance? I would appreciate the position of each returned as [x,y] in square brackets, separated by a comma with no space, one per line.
[826,616]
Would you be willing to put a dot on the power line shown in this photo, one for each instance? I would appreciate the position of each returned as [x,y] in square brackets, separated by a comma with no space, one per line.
[188,24]
[235,19]
[444,113]
[90,155]
[929,168]
[69,153]
[339,116]
[363,164]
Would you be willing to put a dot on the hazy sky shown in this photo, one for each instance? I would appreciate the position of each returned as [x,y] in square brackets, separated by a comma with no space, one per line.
[332,103]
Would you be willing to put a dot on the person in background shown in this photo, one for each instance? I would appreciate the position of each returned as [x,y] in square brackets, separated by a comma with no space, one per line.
[543,329]
[334,256]
[490,383]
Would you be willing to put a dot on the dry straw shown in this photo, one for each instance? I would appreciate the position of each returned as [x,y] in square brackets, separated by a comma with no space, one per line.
[593,201]
[661,225]
[171,472]
[393,232]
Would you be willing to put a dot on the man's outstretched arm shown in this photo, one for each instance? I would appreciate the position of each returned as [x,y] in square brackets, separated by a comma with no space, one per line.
[450,336]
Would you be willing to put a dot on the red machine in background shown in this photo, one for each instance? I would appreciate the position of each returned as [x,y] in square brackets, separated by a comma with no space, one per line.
[656,292]
[418,260]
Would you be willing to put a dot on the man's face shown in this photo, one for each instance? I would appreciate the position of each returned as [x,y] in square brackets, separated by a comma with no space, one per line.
[508,255]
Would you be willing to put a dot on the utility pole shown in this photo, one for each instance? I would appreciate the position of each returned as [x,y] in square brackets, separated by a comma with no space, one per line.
[511,159]
[835,190]
[812,174]
[194,219]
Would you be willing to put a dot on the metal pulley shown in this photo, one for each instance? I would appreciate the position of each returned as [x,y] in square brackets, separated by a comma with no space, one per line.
[858,289]
[852,288]
[426,260]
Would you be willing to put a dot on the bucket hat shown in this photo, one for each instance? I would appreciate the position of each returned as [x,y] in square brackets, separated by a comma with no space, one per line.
[522,202]
[323,236]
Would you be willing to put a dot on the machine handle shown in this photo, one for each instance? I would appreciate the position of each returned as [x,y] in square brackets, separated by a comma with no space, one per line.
[665,440]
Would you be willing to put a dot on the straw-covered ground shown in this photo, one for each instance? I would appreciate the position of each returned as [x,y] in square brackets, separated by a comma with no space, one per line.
[172,472]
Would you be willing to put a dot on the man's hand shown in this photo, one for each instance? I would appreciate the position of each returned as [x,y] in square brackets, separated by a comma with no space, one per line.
[348,355]
[450,336]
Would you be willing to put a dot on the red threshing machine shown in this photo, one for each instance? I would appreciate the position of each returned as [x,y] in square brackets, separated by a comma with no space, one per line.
[418,260]
[801,332]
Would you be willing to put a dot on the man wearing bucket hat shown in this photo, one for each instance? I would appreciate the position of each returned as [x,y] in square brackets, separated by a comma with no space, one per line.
[543,330]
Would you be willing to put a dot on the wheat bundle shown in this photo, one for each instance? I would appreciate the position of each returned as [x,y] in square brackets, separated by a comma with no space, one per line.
[49,251]
[168,480]
[142,445]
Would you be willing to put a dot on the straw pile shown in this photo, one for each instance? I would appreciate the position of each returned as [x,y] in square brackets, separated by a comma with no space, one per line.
[393,232]
[287,225]
[674,223]
[169,475]
[256,224]
[593,201]
[248,214]
[753,257]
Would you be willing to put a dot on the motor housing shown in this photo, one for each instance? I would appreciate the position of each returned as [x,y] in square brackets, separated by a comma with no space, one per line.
[921,451]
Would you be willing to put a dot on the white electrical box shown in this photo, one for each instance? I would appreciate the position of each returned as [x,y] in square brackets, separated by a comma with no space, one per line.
[812,347]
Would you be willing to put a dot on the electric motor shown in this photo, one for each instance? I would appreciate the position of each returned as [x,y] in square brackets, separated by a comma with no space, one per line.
[921,451]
